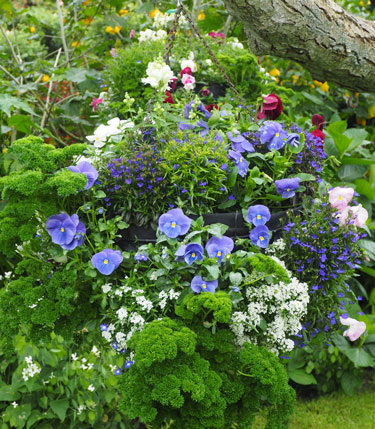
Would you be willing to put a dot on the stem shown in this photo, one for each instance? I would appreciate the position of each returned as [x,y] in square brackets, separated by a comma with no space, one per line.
[63,39]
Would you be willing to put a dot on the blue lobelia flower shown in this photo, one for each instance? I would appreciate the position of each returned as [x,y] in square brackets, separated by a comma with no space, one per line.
[140,257]
[293,139]
[199,285]
[88,170]
[219,247]
[189,253]
[79,236]
[128,364]
[240,162]
[287,187]
[174,223]
[260,236]
[117,371]
[258,214]
[61,228]
[239,143]
[107,261]
[273,134]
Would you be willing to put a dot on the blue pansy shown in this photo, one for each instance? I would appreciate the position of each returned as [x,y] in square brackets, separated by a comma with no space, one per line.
[203,127]
[240,162]
[287,187]
[79,236]
[293,139]
[219,247]
[273,134]
[258,214]
[88,170]
[200,108]
[107,261]
[199,285]
[239,143]
[174,223]
[65,230]
[260,236]
[189,253]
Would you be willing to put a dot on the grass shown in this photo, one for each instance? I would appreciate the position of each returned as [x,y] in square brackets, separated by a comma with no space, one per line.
[334,411]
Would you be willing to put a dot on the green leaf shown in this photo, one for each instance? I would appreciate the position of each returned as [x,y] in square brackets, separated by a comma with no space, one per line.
[145,8]
[357,135]
[357,161]
[21,123]
[363,187]
[337,127]
[6,6]
[351,383]
[313,98]
[300,376]
[349,173]
[59,407]
[8,393]
[330,148]
[297,360]
[213,270]
[232,177]
[7,102]
[217,229]
[340,342]
[359,357]
[369,246]
[306,177]
[100,194]
[226,204]
[336,131]
[235,278]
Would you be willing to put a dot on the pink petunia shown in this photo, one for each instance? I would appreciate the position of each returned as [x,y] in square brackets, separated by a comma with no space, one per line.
[95,102]
[188,81]
[360,215]
[356,328]
[132,33]
[340,197]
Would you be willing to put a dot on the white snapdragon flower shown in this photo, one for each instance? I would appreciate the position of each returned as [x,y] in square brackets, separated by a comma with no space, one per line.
[151,35]
[114,127]
[158,75]
[235,44]
[189,62]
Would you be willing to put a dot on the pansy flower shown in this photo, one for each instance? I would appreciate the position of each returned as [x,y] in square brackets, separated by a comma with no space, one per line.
[356,328]
[62,228]
[88,170]
[340,197]
[189,253]
[219,247]
[107,261]
[174,223]
[240,162]
[260,236]
[239,143]
[293,139]
[273,134]
[287,187]
[272,107]
[79,236]
[258,214]
[199,285]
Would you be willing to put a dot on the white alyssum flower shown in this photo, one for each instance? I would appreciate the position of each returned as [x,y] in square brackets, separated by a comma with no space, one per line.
[106,288]
[15,405]
[80,409]
[91,388]
[159,75]
[122,314]
[189,62]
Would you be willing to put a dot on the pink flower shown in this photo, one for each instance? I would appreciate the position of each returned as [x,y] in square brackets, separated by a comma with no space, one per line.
[132,32]
[205,92]
[186,70]
[340,197]
[113,52]
[95,102]
[356,329]
[216,35]
[188,81]
[360,215]
[343,215]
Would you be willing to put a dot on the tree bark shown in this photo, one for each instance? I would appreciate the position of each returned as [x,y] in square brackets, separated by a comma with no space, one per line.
[328,41]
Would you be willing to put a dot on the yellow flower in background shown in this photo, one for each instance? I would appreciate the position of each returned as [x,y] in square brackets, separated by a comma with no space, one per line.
[369,2]
[274,72]
[324,87]
[154,12]
[45,78]
[362,3]
[317,83]
[86,3]
[295,78]
[201,16]
[123,12]
[312,85]
[356,94]
[76,44]
[88,21]
[371,112]
[32,29]
[117,28]
[361,121]
[109,30]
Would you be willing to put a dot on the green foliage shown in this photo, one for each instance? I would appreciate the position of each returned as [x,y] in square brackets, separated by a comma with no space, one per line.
[194,379]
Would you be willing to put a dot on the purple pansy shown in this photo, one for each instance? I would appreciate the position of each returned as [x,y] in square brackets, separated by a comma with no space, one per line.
[189,253]
[79,236]
[219,247]
[88,170]
[200,108]
[107,261]
[239,143]
[273,134]
[204,127]
[174,223]
[65,230]
[287,187]
[199,285]
[293,139]
[240,162]
[258,214]
[260,236]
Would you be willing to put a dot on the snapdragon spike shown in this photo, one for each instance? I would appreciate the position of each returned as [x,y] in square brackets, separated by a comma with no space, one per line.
[287,187]
[258,214]
[260,236]
[88,170]
[219,247]
[174,223]
[199,285]
[107,261]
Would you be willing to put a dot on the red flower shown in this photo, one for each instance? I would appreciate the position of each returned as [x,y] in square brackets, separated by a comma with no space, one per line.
[169,98]
[272,107]
[318,121]
[172,84]
[205,92]
[186,70]
[211,106]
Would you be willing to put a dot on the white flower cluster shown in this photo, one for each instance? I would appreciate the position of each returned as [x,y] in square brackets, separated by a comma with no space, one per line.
[104,133]
[31,368]
[164,296]
[275,310]
[235,44]
[162,20]
[151,35]
[159,75]
[189,62]
[276,247]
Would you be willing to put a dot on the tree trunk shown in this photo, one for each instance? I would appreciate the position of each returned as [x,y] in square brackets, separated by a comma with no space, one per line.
[329,42]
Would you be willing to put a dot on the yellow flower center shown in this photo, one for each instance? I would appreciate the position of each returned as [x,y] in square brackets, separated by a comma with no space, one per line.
[193,255]
[106,261]
[241,159]
[277,135]
[173,224]
[288,190]
[62,229]
[259,217]
[261,238]
[219,253]
[340,197]
[204,286]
